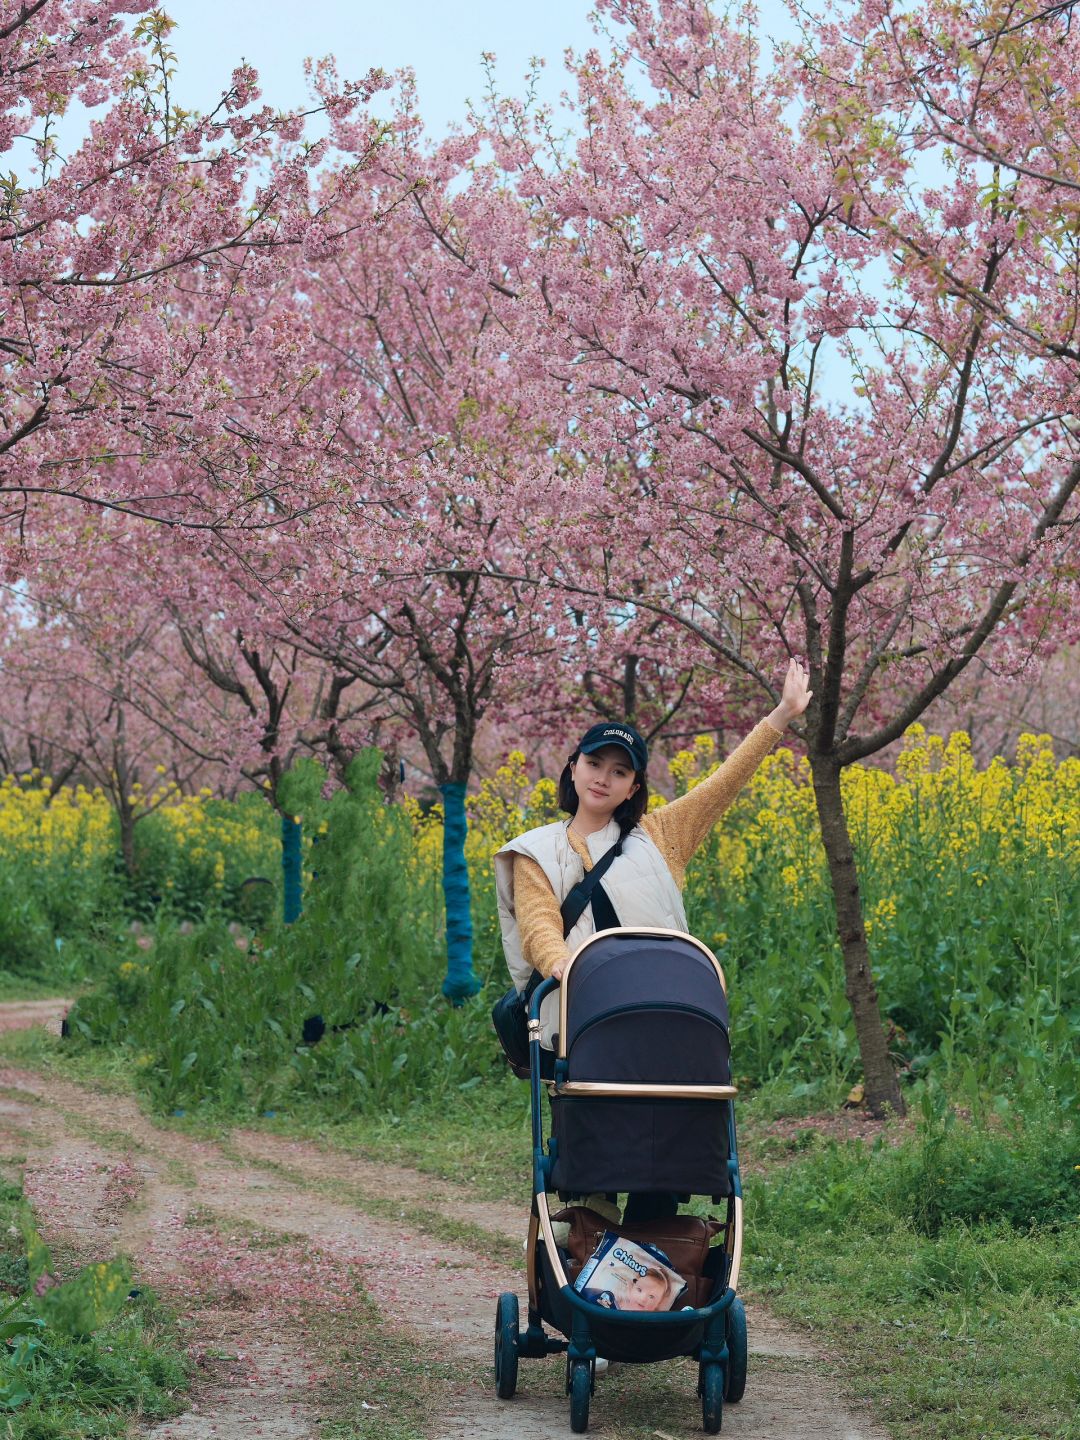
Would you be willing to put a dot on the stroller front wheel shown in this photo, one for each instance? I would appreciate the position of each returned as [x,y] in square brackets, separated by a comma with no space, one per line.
[506,1353]
[711,1386]
[580,1390]
[735,1379]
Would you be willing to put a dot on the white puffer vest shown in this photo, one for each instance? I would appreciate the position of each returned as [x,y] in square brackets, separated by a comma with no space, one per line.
[638,882]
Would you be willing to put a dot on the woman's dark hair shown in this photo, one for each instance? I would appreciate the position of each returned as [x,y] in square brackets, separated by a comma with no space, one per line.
[626,815]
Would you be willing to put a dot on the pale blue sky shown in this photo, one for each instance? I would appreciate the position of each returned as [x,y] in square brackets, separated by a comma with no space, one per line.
[442,42]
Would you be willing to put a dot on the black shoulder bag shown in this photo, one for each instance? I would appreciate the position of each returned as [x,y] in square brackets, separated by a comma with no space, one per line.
[510,1013]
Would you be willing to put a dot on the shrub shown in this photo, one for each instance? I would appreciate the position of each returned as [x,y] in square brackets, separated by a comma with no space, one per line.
[216,1016]
[1019,1165]
[80,1357]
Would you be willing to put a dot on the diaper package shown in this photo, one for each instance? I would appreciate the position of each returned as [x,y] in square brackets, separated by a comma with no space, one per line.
[629,1275]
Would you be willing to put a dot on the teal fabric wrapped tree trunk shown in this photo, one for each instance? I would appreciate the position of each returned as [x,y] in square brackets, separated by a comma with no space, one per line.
[460,981]
[293,869]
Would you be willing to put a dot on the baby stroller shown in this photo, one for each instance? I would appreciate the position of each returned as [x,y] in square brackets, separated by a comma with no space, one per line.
[641,1101]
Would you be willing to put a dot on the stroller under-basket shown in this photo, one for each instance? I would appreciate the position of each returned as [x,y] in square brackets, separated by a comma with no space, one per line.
[641,1101]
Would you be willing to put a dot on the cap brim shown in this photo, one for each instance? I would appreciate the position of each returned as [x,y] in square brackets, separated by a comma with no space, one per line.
[607,745]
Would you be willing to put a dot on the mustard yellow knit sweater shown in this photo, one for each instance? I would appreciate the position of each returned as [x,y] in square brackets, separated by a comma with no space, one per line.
[676,830]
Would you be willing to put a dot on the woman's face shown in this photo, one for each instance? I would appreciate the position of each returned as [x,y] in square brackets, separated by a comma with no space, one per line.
[603,780]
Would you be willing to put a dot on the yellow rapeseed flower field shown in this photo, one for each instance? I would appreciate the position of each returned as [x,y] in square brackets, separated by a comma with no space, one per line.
[74,830]
[936,799]
[184,840]
[934,814]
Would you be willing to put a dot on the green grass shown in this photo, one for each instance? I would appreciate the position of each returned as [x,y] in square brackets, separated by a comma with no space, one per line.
[91,1385]
[481,1143]
[960,1318]
[28,987]
[941,1273]
[38,1049]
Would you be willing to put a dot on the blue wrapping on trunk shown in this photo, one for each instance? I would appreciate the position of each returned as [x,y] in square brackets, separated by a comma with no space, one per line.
[460,980]
[292,867]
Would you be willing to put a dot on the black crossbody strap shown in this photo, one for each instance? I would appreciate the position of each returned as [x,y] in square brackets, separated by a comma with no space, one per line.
[573,907]
[534,980]
[603,910]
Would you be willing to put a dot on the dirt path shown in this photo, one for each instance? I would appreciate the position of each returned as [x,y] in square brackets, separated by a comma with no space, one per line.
[21,1014]
[263,1244]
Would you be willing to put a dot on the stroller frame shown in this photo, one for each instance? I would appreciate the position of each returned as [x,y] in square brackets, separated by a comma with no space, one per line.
[713,1334]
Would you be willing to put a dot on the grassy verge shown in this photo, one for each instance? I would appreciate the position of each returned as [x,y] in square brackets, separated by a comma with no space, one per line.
[943,1275]
[38,1049]
[481,1142]
[64,1379]
[29,987]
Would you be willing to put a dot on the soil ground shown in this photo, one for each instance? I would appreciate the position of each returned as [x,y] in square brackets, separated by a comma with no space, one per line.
[287,1261]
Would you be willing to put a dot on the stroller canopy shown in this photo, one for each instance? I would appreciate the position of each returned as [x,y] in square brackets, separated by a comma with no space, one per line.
[645,1007]
[643,1062]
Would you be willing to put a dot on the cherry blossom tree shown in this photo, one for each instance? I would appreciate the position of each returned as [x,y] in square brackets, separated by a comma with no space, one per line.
[804,380]
[129,383]
[137,377]
[165,643]
[995,711]
[438,650]
[394,591]
[106,698]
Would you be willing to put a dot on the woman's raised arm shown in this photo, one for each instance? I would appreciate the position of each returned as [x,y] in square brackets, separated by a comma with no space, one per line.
[679,828]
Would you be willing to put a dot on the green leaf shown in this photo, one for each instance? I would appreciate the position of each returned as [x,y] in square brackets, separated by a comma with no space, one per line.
[38,1259]
[28,1326]
[13,1393]
[89,1301]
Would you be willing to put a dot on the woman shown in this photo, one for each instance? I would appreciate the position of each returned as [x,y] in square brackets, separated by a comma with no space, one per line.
[605,792]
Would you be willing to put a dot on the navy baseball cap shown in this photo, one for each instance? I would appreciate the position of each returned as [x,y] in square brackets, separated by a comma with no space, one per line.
[620,733]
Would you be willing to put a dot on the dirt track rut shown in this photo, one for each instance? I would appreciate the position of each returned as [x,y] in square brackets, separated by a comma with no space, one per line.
[252,1239]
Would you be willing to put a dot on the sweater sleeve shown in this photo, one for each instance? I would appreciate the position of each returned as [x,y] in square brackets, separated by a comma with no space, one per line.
[679,828]
[539,918]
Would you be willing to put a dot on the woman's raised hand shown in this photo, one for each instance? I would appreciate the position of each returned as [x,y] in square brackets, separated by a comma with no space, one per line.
[795,697]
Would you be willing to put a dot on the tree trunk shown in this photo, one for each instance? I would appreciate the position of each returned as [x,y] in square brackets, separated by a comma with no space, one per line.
[391,774]
[460,981]
[882,1090]
[126,817]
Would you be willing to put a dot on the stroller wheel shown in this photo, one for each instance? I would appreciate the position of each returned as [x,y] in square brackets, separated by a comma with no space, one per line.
[506,1338]
[711,1386]
[580,1387]
[735,1379]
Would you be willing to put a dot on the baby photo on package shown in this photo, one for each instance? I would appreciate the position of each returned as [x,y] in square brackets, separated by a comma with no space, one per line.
[629,1275]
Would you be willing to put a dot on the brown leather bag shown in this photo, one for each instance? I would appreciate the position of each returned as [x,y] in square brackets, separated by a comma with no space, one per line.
[684,1239]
